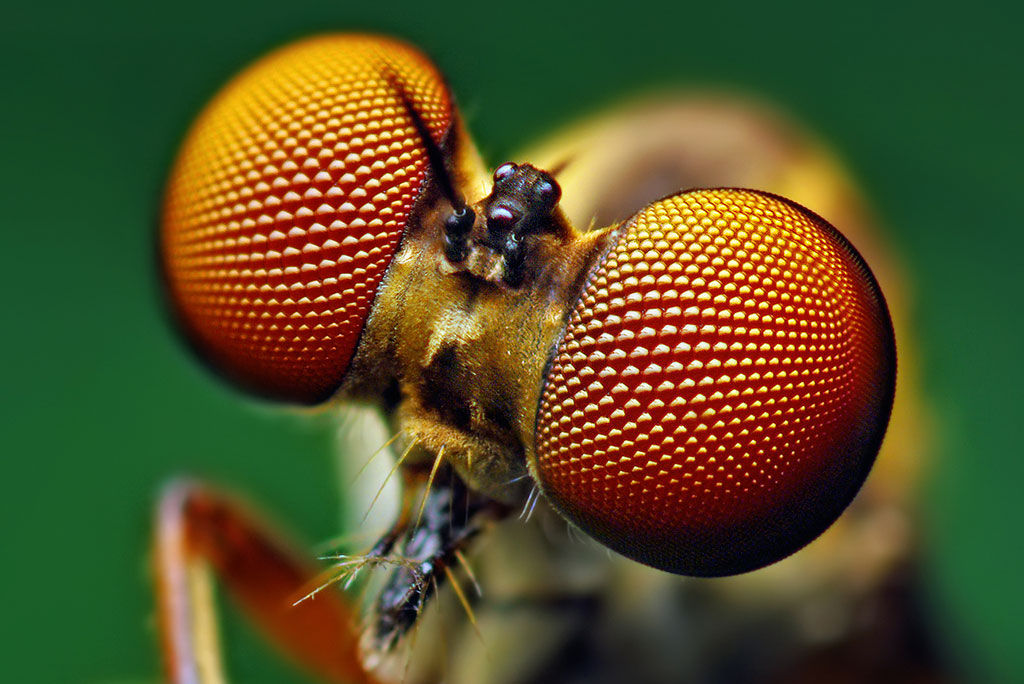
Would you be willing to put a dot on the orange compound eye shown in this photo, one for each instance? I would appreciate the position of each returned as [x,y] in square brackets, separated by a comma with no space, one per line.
[722,386]
[286,205]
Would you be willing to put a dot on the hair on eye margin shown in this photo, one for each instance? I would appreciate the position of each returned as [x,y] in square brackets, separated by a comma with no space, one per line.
[435,157]
[531,502]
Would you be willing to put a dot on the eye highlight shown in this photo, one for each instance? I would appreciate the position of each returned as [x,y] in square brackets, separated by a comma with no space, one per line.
[286,205]
[721,388]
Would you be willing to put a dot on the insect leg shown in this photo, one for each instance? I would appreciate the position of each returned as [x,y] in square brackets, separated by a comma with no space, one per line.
[199,529]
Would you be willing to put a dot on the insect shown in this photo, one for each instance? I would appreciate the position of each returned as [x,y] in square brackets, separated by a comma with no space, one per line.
[702,387]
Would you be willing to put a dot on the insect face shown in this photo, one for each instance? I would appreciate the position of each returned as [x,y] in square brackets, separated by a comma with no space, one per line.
[465,320]
[702,388]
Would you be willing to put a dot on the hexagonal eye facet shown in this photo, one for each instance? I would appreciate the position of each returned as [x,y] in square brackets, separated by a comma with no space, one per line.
[286,205]
[722,386]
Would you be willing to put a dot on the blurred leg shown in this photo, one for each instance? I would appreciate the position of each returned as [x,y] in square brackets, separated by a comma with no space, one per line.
[199,529]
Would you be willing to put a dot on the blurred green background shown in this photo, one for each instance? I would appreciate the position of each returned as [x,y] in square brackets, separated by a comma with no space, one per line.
[101,403]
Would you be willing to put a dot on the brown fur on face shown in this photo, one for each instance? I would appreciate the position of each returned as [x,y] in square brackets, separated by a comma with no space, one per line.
[466,376]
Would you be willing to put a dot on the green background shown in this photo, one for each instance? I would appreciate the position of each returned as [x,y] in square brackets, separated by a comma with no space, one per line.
[101,404]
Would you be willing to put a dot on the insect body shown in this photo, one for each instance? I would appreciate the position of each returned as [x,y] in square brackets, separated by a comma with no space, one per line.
[702,388]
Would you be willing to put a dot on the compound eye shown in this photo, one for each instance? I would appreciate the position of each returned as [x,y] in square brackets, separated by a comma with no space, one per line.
[722,386]
[287,202]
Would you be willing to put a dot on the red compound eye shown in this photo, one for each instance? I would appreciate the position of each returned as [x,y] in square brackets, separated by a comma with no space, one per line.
[722,386]
[287,202]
